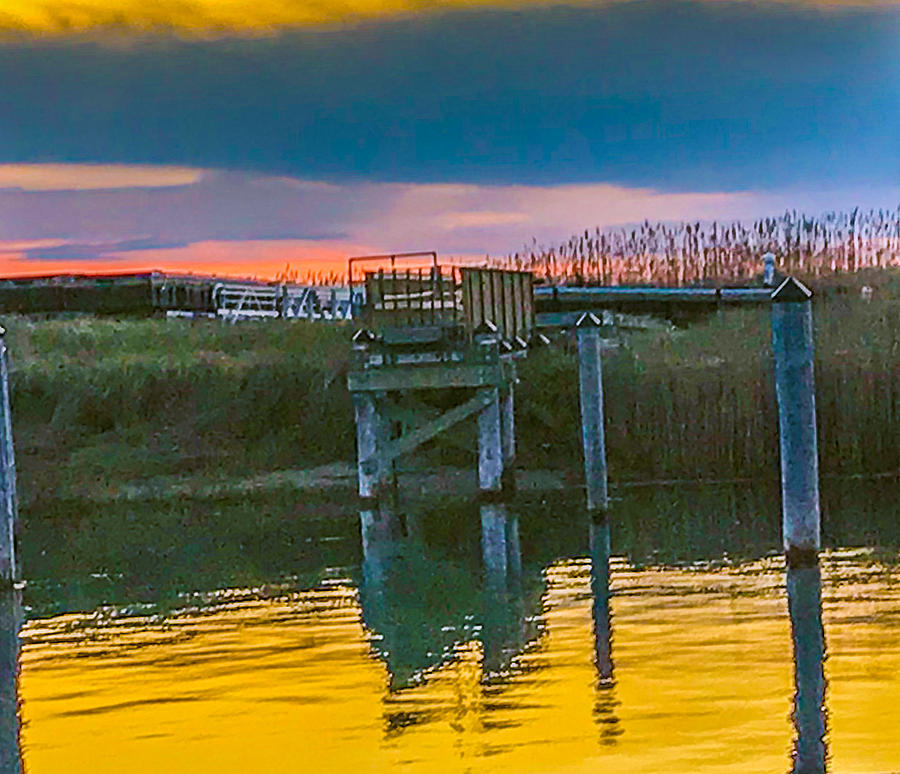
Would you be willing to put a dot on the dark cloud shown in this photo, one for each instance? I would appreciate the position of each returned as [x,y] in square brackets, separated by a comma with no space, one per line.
[671,94]
[219,206]
[94,252]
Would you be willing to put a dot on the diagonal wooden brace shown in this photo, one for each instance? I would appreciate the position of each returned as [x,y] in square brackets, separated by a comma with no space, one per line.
[426,432]
[415,414]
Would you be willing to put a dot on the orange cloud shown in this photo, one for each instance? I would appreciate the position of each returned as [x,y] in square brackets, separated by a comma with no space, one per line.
[87,177]
[209,18]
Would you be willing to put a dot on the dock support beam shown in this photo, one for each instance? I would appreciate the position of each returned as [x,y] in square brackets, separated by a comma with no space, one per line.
[792,344]
[490,446]
[8,501]
[590,382]
[508,435]
[371,437]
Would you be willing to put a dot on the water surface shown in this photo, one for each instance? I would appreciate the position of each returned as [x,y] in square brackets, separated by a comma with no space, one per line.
[444,638]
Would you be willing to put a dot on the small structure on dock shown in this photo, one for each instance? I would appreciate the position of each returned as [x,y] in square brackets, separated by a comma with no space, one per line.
[426,327]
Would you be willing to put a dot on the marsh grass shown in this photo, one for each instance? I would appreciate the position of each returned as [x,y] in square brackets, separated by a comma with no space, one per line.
[99,403]
[101,400]
[673,254]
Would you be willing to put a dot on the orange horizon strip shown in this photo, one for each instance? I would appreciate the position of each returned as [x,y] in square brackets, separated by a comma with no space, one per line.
[211,18]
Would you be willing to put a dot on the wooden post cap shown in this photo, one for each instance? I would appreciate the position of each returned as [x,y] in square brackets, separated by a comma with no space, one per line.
[791,290]
[588,320]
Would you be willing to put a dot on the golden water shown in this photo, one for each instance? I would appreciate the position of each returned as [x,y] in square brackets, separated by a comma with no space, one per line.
[703,682]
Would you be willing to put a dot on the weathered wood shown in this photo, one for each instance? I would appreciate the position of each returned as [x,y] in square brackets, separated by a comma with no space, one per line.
[508,435]
[415,414]
[590,380]
[792,345]
[420,435]
[8,498]
[378,533]
[426,377]
[490,442]
[498,314]
[371,439]
[527,304]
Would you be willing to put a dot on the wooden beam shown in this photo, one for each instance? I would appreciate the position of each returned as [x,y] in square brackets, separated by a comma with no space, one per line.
[416,415]
[420,435]
[427,377]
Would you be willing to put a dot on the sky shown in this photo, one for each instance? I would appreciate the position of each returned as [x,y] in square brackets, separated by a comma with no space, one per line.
[238,136]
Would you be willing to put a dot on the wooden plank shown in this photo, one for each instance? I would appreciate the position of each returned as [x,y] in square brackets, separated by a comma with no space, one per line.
[528,304]
[468,290]
[518,285]
[497,296]
[416,415]
[507,279]
[477,299]
[487,297]
[427,377]
[417,437]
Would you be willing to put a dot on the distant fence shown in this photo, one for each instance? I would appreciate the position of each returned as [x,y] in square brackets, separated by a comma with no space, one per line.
[178,295]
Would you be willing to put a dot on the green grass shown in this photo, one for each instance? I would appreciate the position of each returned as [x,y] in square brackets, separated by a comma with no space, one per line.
[104,401]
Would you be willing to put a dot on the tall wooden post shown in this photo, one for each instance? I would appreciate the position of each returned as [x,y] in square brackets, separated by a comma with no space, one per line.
[590,382]
[508,437]
[792,344]
[371,436]
[490,446]
[804,590]
[8,501]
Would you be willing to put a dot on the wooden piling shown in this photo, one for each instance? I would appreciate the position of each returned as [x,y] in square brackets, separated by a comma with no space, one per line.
[792,344]
[508,438]
[490,445]
[371,437]
[590,381]
[804,591]
[377,533]
[8,499]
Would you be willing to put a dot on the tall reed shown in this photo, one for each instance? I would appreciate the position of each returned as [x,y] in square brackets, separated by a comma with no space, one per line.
[672,254]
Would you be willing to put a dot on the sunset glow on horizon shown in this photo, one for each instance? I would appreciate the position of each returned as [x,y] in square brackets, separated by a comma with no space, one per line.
[210,18]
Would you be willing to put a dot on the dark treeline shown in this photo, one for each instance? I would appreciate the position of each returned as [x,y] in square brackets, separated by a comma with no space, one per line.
[673,254]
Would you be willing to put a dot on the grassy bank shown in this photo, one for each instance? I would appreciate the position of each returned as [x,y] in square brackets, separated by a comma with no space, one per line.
[100,403]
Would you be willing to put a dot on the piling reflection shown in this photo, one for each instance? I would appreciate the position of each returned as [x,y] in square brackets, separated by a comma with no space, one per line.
[804,590]
[426,603]
[10,623]
[605,701]
[503,633]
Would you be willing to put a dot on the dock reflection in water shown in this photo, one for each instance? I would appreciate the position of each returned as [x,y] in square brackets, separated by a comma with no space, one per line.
[804,593]
[481,644]
[10,622]
[605,703]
